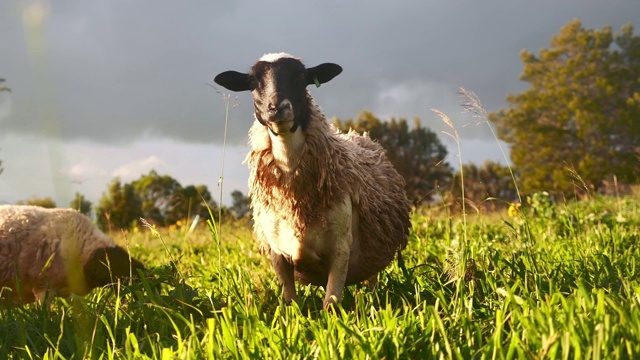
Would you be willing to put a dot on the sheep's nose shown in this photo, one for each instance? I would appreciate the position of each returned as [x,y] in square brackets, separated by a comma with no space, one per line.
[283,106]
[272,110]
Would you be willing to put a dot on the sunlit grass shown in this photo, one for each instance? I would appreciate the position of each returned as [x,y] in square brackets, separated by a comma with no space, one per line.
[580,300]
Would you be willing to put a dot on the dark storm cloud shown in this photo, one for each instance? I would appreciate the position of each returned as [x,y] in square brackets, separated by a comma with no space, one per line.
[119,70]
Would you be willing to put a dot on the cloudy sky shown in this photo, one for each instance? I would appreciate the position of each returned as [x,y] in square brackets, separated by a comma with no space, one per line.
[116,88]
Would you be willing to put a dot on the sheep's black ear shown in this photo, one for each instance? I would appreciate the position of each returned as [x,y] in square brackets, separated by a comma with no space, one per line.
[323,73]
[233,80]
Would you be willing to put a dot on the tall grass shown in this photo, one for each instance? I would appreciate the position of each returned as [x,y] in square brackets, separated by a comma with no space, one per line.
[216,230]
[472,105]
[463,257]
[227,104]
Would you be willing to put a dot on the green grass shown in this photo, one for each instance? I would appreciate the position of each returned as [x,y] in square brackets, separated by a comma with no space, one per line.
[556,281]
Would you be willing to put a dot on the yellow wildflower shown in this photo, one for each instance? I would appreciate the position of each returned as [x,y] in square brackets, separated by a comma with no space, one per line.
[514,209]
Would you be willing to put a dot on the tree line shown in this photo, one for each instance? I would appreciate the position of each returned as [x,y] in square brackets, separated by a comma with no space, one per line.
[159,199]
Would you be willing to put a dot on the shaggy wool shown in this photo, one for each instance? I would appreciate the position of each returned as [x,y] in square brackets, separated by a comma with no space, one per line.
[332,165]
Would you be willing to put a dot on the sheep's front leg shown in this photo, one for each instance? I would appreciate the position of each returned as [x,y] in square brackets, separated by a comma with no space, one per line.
[284,270]
[343,238]
[337,275]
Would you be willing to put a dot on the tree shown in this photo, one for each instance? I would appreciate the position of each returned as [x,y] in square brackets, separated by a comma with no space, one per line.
[81,204]
[416,153]
[240,204]
[159,199]
[158,196]
[46,202]
[165,201]
[580,112]
[119,207]
[189,202]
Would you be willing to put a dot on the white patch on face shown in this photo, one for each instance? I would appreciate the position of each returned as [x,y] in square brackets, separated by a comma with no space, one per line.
[269,86]
[272,57]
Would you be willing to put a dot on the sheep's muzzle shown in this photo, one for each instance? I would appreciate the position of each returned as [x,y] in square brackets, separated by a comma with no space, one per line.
[280,117]
[282,112]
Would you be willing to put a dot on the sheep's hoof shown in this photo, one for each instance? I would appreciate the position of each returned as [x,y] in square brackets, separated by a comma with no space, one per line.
[290,301]
[289,298]
[330,303]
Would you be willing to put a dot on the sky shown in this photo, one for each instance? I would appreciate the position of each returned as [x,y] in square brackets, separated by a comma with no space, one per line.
[105,89]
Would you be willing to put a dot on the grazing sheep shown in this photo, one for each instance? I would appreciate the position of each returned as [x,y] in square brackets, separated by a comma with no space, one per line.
[329,208]
[55,250]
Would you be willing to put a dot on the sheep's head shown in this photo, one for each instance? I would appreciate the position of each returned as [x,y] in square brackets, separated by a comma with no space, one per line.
[278,84]
[108,264]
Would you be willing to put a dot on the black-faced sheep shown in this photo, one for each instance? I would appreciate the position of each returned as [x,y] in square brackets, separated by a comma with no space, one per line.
[328,208]
[55,250]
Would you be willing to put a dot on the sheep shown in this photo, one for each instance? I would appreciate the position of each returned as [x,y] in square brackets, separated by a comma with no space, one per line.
[55,251]
[328,208]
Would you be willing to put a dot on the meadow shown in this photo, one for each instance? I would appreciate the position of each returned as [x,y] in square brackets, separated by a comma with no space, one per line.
[550,279]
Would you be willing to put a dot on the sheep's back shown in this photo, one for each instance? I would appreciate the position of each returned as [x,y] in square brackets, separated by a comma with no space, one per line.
[19,232]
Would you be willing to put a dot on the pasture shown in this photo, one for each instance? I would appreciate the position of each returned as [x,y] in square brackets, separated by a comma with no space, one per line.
[548,280]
